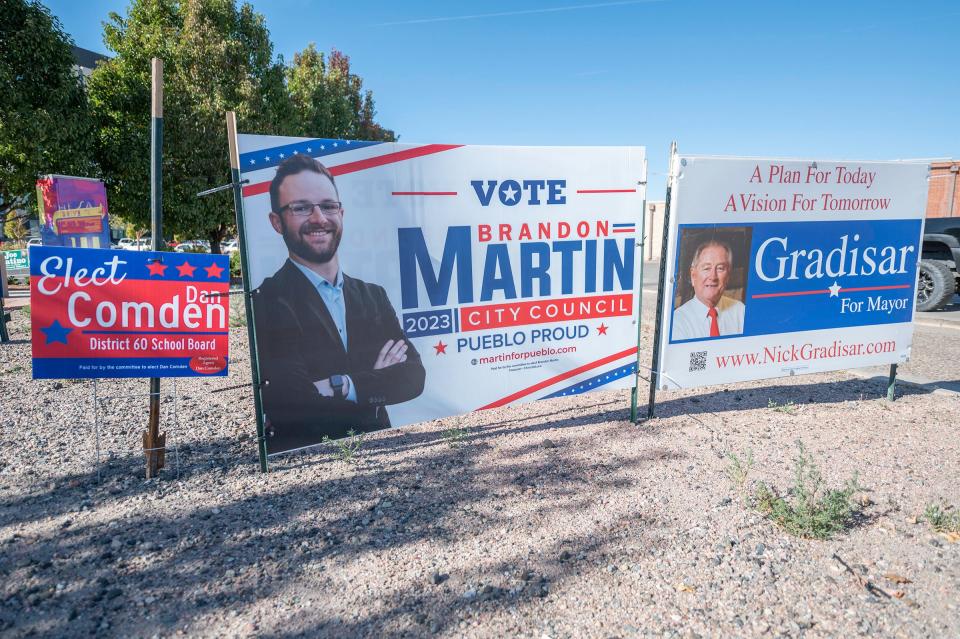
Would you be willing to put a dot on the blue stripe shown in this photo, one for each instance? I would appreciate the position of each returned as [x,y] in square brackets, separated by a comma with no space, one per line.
[593,383]
[89,367]
[132,265]
[159,332]
[632,224]
[317,148]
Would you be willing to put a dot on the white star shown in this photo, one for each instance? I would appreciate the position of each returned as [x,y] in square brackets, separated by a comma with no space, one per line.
[282,156]
[348,141]
[267,158]
[835,289]
[322,147]
[334,144]
[253,161]
[309,149]
[510,193]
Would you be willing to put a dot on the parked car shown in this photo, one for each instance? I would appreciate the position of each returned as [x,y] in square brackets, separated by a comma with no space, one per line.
[939,277]
[143,244]
[193,246]
[34,241]
[230,246]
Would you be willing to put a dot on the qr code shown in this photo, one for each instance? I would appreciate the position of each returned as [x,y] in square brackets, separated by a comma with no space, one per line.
[698,361]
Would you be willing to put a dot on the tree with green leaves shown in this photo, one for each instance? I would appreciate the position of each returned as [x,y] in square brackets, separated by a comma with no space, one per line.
[45,126]
[329,100]
[217,58]
[15,226]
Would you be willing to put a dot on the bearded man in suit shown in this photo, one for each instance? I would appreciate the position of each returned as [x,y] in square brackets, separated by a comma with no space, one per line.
[332,353]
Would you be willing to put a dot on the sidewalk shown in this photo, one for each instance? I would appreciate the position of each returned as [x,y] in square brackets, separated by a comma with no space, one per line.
[18,299]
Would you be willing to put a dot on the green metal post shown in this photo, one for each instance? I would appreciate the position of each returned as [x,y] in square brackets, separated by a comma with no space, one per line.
[245,275]
[4,316]
[643,240]
[892,382]
[655,364]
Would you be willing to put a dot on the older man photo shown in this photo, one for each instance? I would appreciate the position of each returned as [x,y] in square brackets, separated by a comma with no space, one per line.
[709,313]
[332,353]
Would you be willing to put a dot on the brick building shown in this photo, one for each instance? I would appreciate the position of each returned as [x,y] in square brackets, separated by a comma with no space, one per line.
[943,197]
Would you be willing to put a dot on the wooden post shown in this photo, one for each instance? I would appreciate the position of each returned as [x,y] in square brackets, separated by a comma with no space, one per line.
[154,442]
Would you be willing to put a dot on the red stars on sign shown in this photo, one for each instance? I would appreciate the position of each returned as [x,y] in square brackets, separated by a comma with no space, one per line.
[441,348]
[186,269]
[214,271]
[602,329]
[156,268]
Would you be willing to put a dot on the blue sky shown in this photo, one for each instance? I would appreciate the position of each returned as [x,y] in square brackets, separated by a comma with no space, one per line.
[858,80]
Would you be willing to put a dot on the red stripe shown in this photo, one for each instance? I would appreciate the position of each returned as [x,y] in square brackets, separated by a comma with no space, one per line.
[256,189]
[559,378]
[876,288]
[826,290]
[624,230]
[423,193]
[369,163]
[606,191]
[790,294]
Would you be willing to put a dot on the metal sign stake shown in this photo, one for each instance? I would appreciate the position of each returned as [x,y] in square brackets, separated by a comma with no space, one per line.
[643,238]
[658,326]
[245,276]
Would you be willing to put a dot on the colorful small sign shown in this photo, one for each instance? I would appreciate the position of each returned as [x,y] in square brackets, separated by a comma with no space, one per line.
[99,313]
[16,260]
[73,212]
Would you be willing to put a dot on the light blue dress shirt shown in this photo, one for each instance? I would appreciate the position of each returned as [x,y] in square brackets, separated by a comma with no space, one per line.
[332,296]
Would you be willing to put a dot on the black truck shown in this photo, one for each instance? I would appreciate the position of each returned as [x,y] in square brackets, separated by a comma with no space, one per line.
[939,262]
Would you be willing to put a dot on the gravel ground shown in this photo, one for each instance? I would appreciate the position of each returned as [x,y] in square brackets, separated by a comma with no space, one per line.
[555,519]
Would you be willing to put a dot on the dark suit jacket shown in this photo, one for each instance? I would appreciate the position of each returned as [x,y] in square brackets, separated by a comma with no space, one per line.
[298,344]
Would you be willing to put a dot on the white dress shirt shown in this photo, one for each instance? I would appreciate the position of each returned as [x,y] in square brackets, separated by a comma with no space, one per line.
[692,320]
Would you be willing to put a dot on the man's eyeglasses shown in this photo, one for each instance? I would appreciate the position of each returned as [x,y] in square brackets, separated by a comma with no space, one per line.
[303,209]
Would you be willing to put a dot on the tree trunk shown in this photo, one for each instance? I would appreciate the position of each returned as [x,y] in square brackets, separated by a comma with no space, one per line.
[216,236]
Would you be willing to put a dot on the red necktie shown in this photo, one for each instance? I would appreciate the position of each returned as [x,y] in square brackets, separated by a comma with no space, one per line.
[714,327]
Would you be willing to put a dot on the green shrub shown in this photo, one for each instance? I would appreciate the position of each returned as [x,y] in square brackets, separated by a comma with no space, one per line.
[347,449]
[789,408]
[235,264]
[942,519]
[808,509]
[455,435]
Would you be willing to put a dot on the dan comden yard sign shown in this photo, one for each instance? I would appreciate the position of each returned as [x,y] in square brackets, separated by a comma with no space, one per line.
[783,267]
[101,313]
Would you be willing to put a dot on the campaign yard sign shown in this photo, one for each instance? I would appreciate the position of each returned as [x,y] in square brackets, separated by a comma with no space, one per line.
[16,260]
[397,283]
[99,313]
[781,267]
[73,212]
